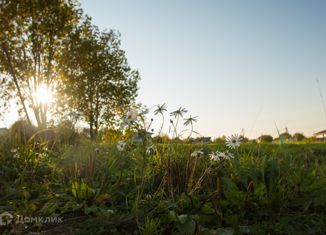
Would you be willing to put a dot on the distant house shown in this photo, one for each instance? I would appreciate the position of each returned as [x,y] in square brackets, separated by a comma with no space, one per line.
[140,135]
[320,135]
[3,131]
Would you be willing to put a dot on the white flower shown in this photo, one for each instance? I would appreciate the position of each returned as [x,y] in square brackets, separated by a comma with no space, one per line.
[197,153]
[130,117]
[221,155]
[214,157]
[233,141]
[150,150]
[121,145]
[229,156]
[13,150]
[16,155]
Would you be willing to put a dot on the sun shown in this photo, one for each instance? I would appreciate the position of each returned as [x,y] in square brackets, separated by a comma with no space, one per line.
[43,95]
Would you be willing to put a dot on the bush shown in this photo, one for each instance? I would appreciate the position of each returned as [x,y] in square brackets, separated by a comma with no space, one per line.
[20,132]
[298,137]
[65,133]
[265,139]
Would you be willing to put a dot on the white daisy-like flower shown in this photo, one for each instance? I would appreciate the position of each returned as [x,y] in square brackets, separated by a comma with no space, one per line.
[213,156]
[216,156]
[233,141]
[16,155]
[221,155]
[132,115]
[121,145]
[129,118]
[230,156]
[150,150]
[197,153]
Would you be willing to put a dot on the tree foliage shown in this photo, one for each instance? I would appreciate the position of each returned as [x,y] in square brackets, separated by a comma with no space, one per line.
[298,136]
[31,36]
[51,45]
[285,136]
[265,139]
[97,81]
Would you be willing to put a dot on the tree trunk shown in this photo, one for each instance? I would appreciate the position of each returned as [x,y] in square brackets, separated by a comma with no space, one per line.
[91,131]
[13,74]
[96,129]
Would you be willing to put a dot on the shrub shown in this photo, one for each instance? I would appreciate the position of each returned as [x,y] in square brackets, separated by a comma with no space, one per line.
[265,139]
[298,137]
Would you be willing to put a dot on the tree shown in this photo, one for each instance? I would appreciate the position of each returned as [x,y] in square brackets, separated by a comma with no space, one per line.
[97,80]
[285,136]
[31,41]
[265,139]
[298,137]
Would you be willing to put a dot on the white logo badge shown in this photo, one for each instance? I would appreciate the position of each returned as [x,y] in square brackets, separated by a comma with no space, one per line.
[5,218]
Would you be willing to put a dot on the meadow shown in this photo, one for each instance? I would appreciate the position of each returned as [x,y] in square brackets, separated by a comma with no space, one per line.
[80,155]
[100,187]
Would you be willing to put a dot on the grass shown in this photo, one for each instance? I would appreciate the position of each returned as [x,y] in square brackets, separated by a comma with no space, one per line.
[96,189]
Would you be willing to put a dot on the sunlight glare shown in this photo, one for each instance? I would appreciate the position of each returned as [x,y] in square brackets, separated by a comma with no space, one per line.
[43,95]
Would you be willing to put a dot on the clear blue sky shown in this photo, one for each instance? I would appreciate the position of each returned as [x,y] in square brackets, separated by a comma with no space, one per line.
[235,64]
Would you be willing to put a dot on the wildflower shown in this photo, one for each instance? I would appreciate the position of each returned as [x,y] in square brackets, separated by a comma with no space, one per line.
[229,156]
[216,156]
[160,109]
[110,211]
[197,153]
[190,120]
[41,155]
[130,117]
[150,150]
[221,155]
[121,145]
[15,152]
[213,156]
[225,155]
[16,155]
[97,150]
[233,141]
[179,112]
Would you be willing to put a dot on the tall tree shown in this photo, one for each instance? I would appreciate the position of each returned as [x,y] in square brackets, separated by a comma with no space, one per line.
[97,81]
[32,33]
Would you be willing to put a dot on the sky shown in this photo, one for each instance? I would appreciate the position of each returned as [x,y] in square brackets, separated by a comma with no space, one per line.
[237,65]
